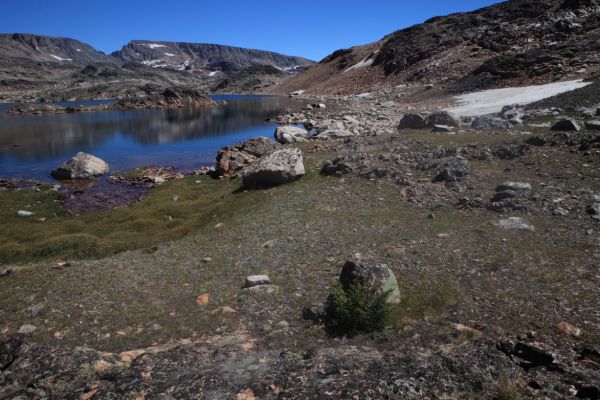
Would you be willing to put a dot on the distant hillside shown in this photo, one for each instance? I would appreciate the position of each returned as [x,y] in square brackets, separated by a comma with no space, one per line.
[207,58]
[49,49]
[511,43]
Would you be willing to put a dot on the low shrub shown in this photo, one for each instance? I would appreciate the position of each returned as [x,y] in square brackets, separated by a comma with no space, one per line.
[358,308]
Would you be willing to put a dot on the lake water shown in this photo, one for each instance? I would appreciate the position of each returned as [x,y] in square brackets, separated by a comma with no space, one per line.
[32,145]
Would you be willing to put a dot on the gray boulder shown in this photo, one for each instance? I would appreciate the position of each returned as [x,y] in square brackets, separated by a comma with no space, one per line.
[329,125]
[412,121]
[377,276]
[566,125]
[291,134]
[232,159]
[442,118]
[276,168]
[82,166]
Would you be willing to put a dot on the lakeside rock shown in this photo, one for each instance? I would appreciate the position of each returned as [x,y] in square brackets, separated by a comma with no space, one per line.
[290,134]
[279,167]
[232,159]
[81,166]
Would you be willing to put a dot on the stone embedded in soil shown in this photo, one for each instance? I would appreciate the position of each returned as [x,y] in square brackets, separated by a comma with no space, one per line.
[593,125]
[256,280]
[594,211]
[514,224]
[514,186]
[22,213]
[7,272]
[442,129]
[27,329]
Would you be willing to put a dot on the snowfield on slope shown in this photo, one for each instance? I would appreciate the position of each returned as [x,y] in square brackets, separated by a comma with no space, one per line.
[491,101]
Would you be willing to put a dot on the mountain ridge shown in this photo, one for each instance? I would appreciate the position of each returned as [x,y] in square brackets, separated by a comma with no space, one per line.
[535,41]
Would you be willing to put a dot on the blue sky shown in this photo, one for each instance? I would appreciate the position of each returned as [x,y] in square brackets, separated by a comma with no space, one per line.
[308,28]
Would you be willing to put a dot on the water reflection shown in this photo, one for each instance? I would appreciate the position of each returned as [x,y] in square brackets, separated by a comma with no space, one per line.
[31,145]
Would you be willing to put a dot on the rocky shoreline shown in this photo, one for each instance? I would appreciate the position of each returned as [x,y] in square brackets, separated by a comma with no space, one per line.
[169,98]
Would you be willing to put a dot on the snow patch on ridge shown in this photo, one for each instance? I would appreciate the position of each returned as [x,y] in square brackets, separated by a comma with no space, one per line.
[169,55]
[362,64]
[491,101]
[155,45]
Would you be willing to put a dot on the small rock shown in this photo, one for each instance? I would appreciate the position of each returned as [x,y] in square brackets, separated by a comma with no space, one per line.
[27,329]
[593,125]
[442,129]
[269,244]
[514,224]
[568,329]
[388,104]
[264,289]
[7,272]
[514,186]
[158,180]
[256,280]
[22,213]
[566,125]
[9,350]
[594,211]
[35,310]
[202,299]
[220,225]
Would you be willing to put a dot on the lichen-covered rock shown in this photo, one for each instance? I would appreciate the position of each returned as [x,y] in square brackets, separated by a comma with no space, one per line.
[82,166]
[232,159]
[378,276]
[279,167]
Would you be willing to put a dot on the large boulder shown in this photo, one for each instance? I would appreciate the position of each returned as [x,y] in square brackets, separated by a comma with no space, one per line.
[377,276]
[566,125]
[232,159]
[276,168]
[329,125]
[82,166]
[442,118]
[412,121]
[291,134]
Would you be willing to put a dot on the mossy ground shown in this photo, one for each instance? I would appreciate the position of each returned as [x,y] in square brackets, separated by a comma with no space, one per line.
[134,281]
